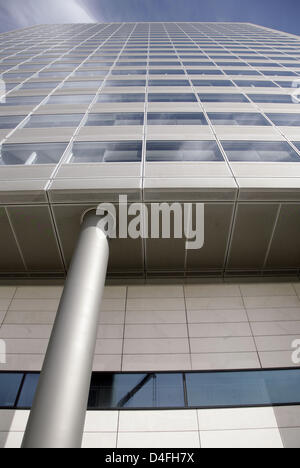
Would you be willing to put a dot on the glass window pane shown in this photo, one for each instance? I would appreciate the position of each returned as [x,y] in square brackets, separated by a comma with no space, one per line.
[228,97]
[130,97]
[176,119]
[161,97]
[22,101]
[179,151]
[28,391]
[9,388]
[223,118]
[118,83]
[272,98]
[70,99]
[82,84]
[149,390]
[255,83]
[285,120]
[257,151]
[109,152]
[8,121]
[221,389]
[58,120]
[169,83]
[30,154]
[114,119]
[212,83]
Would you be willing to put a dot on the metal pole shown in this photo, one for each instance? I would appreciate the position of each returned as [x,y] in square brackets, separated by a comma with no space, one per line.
[58,414]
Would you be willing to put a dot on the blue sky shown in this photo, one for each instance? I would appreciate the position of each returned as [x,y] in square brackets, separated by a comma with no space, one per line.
[278,14]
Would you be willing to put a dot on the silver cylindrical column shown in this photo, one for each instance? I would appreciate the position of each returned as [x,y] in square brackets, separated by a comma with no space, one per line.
[58,414]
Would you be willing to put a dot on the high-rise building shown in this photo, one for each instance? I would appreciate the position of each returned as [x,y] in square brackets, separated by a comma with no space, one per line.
[194,347]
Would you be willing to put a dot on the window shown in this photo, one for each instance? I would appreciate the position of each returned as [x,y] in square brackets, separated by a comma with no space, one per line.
[116,83]
[130,97]
[53,74]
[179,151]
[285,120]
[205,72]
[257,151]
[228,97]
[28,391]
[272,98]
[252,388]
[241,72]
[151,390]
[164,63]
[237,119]
[255,83]
[30,154]
[220,389]
[9,388]
[40,85]
[109,152]
[82,84]
[22,101]
[131,64]
[70,99]
[176,119]
[167,72]
[129,72]
[8,121]
[278,73]
[172,97]
[58,120]
[90,73]
[115,119]
[212,83]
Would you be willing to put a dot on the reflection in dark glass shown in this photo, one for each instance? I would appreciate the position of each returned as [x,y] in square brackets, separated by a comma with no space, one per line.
[111,119]
[176,119]
[169,83]
[58,120]
[129,72]
[31,154]
[172,97]
[9,387]
[255,83]
[228,97]
[237,118]
[285,120]
[129,97]
[70,99]
[28,391]
[260,151]
[149,390]
[8,121]
[272,98]
[212,83]
[179,151]
[221,389]
[109,152]
[166,72]
[21,101]
[116,83]
[205,72]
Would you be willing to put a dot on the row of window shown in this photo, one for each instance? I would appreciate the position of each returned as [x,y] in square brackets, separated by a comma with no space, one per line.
[153,118]
[100,74]
[85,84]
[156,151]
[168,390]
[152,97]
